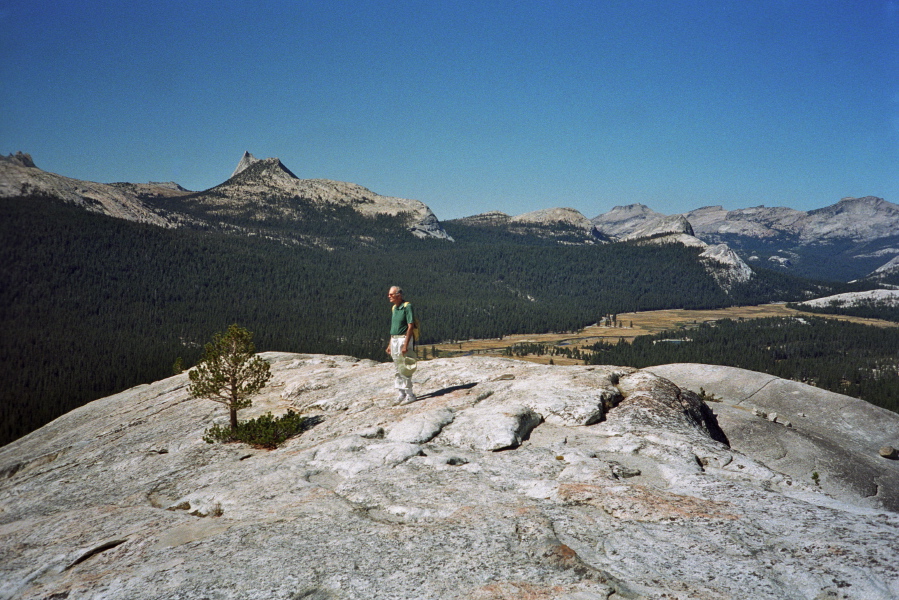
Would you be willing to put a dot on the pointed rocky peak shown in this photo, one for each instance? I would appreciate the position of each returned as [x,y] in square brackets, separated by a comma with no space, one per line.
[254,170]
[245,161]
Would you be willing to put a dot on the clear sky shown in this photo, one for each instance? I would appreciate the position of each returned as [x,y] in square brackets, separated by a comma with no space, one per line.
[467,106]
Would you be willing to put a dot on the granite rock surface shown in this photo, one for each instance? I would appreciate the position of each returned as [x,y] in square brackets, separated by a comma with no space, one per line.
[505,479]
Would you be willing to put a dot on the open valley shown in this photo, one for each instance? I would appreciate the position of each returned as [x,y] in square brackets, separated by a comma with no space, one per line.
[628,326]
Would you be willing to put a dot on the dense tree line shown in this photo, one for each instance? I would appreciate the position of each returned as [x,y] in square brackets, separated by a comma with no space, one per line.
[93,305]
[848,358]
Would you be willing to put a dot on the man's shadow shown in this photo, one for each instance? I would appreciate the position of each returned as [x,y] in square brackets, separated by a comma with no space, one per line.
[449,390]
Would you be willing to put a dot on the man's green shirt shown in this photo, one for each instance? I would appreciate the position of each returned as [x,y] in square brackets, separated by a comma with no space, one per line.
[400,318]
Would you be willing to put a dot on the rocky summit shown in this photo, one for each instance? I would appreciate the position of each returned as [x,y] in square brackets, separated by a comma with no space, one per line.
[268,186]
[504,480]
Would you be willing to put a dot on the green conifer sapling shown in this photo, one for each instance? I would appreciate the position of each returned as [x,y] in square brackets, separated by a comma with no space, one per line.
[228,373]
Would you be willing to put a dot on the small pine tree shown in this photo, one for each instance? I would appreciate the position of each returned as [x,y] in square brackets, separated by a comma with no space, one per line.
[228,373]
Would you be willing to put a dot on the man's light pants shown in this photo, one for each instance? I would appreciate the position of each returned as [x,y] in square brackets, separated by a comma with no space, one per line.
[401,382]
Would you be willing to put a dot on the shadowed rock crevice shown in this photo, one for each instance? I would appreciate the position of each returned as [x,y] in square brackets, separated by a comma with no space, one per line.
[95,551]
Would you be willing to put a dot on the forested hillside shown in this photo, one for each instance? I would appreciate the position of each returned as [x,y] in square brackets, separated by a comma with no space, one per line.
[847,358]
[93,305]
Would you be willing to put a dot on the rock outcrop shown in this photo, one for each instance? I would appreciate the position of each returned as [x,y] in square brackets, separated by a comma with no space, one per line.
[505,480]
[622,221]
[800,430]
[857,219]
[639,223]
[663,226]
[726,266]
[19,177]
[757,222]
[555,216]
[562,225]
[266,184]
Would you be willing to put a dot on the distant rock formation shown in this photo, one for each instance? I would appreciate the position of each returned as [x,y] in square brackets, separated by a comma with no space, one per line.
[20,177]
[637,222]
[505,480]
[563,225]
[492,218]
[245,161]
[624,220]
[672,225]
[257,183]
[858,219]
[759,221]
[729,268]
[19,158]
[862,228]
[265,182]
[274,167]
[555,216]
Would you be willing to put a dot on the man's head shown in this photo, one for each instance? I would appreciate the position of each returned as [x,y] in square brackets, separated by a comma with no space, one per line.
[395,294]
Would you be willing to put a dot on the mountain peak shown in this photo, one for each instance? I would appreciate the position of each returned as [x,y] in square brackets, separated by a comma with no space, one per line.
[248,160]
[245,161]
[21,159]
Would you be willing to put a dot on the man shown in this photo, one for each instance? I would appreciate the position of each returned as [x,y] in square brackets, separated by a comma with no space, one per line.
[401,344]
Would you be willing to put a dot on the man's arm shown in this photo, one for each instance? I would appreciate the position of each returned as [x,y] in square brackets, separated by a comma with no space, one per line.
[409,330]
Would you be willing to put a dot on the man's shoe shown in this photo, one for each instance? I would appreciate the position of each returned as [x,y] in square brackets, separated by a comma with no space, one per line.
[409,399]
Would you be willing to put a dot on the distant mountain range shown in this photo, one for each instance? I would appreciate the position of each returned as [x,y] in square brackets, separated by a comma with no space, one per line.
[105,285]
[258,194]
[851,239]
[848,240]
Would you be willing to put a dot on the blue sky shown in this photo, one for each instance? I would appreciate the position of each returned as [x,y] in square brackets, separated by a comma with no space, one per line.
[468,106]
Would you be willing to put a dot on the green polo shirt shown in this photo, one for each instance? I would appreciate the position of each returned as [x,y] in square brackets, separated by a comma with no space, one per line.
[400,318]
